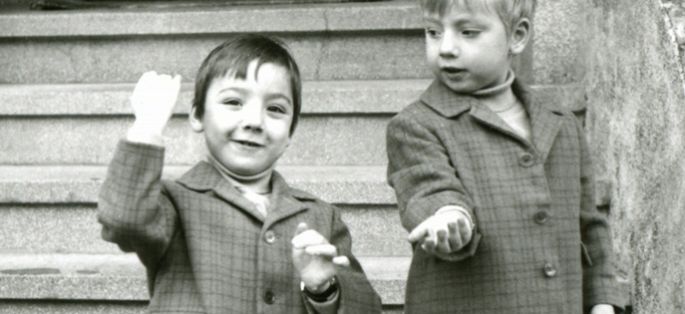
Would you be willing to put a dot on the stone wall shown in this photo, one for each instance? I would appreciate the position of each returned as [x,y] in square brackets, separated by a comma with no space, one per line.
[635,92]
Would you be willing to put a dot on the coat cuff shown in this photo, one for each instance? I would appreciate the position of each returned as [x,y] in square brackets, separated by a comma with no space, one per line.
[606,290]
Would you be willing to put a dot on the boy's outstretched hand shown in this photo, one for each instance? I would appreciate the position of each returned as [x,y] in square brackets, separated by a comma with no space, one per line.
[602,309]
[443,233]
[153,101]
[315,258]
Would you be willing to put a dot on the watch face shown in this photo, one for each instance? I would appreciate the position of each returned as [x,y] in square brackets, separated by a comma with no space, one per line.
[323,296]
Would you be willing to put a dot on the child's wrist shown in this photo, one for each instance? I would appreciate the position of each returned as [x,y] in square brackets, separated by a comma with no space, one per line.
[321,292]
[316,289]
[141,133]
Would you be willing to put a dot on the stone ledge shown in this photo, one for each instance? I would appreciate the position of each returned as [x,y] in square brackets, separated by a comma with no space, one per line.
[372,16]
[335,184]
[80,184]
[122,277]
[376,230]
[319,97]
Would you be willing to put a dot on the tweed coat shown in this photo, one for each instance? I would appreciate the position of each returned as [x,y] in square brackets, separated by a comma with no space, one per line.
[207,249]
[541,246]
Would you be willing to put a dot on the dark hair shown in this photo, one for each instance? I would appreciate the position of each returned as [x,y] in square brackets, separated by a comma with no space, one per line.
[509,11]
[234,56]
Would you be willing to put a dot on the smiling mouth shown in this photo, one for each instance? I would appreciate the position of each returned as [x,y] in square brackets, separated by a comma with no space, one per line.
[452,70]
[248,143]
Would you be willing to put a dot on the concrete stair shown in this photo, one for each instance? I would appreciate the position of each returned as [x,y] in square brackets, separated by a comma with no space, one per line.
[343,122]
[65,77]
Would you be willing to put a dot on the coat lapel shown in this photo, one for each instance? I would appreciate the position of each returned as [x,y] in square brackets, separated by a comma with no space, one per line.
[545,119]
[204,177]
[450,104]
[285,201]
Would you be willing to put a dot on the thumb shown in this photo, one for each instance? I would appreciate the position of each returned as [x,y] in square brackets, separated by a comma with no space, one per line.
[418,233]
[176,80]
[301,227]
[341,260]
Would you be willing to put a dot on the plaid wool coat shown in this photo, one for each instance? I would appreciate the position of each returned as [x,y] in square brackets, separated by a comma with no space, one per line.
[207,249]
[541,244]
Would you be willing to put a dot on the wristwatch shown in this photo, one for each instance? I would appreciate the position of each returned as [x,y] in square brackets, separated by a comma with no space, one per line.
[323,296]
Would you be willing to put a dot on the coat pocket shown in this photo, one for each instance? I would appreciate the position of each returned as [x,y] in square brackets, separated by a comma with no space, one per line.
[585,255]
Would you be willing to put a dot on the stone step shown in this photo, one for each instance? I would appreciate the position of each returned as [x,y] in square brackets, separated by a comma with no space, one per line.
[312,18]
[318,97]
[349,185]
[343,122]
[52,209]
[101,307]
[73,228]
[375,40]
[121,277]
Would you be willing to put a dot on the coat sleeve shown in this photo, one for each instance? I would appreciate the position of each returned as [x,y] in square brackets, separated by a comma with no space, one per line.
[599,282]
[424,179]
[133,207]
[356,293]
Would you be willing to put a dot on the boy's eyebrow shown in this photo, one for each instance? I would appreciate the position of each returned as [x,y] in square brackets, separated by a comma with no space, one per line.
[458,22]
[234,88]
[272,96]
[269,96]
[431,19]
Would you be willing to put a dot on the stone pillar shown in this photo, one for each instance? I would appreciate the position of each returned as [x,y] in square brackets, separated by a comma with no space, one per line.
[636,123]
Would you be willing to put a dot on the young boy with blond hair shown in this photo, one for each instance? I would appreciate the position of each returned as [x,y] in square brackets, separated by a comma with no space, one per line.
[495,186]
[230,236]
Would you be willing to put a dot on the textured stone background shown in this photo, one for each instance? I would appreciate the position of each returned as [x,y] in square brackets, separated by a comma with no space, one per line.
[636,121]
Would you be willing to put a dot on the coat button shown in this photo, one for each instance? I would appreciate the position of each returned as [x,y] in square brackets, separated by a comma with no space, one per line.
[549,270]
[270,237]
[269,297]
[526,160]
[541,217]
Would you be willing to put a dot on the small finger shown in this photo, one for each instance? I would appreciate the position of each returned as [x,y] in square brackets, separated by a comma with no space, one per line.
[428,246]
[465,231]
[177,78]
[454,236]
[322,250]
[431,237]
[307,238]
[165,77]
[148,75]
[341,260]
[443,245]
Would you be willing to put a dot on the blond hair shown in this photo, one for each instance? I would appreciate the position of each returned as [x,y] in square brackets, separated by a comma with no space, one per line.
[509,11]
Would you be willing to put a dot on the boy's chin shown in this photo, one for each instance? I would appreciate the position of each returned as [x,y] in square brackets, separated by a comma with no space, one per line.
[458,87]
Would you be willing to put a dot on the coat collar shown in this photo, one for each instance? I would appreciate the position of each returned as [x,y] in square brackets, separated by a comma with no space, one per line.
[285,200]
[544,117]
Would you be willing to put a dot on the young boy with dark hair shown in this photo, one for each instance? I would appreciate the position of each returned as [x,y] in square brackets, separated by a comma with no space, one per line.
[230,236]
[494,186]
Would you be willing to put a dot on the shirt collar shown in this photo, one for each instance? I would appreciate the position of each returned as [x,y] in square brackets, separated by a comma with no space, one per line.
[450,104]
[204,177]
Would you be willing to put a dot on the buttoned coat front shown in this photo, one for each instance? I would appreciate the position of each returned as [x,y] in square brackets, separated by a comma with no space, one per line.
[541,244]
[207,249]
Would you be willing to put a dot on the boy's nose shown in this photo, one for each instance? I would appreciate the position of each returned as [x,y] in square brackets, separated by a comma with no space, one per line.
[253,117]
[448,47]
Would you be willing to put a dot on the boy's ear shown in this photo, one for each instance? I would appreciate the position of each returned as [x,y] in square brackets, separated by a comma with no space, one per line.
[195,121]
[520,36]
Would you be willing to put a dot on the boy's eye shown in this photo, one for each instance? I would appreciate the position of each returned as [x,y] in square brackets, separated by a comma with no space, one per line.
[232,102]
[432,32]
[277,108]
[470,33]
